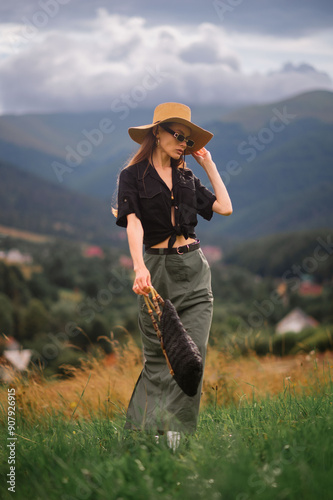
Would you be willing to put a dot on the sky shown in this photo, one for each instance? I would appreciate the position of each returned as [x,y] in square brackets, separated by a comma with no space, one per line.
[85,55]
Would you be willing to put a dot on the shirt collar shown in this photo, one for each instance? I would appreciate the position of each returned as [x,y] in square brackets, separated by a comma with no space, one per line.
[147,169]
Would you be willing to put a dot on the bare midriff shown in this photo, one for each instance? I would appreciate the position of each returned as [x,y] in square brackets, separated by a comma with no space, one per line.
[180,241]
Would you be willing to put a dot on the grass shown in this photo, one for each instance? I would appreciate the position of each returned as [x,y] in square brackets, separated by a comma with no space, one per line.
[256,439]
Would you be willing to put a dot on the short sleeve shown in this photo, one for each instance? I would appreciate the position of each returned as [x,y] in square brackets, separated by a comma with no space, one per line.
[128,197]
[205,200]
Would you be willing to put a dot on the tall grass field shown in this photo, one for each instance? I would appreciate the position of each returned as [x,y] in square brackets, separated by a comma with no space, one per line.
[265,432]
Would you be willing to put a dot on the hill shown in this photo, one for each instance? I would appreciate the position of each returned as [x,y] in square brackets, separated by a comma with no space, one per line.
[317,104]
[33,204]
[285,186]
[275,160]
[280,175]
[289,255]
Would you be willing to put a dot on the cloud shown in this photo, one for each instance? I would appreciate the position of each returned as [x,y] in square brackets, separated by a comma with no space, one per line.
[284,17]
[110,58]
[287,81]
[205,53]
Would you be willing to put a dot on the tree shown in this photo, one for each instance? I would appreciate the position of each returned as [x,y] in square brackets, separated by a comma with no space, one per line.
[35,318]
[6,316]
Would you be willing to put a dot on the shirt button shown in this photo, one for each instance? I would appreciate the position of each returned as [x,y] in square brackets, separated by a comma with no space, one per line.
[176,208]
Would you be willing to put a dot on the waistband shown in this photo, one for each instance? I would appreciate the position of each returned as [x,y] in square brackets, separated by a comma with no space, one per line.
[177,250]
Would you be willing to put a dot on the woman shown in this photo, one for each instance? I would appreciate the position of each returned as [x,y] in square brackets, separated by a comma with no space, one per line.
[158,202]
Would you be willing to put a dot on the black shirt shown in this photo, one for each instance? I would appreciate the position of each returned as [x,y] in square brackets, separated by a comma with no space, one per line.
[143,192]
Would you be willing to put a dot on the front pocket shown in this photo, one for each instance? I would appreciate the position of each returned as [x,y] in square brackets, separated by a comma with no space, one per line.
[153,206]
[176,268]
[148,190]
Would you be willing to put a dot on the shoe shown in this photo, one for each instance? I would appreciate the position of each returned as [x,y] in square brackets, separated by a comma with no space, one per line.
[173,439]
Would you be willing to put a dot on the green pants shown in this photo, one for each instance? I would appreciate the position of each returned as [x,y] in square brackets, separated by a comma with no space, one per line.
[157,402]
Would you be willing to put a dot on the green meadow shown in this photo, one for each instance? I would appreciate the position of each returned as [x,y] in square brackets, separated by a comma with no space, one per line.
[277,447]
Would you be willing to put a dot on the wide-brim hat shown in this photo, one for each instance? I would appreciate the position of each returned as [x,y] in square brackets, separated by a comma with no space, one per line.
[173,112]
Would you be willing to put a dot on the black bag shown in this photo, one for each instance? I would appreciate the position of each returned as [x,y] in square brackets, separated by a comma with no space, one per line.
[181,353]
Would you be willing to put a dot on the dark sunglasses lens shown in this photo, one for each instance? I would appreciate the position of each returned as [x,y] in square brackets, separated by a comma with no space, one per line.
[180,138]
[189,142]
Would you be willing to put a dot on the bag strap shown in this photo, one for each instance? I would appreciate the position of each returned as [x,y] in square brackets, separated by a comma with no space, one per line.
[153,305]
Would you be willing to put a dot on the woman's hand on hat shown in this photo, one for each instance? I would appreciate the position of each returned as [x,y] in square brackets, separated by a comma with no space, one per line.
[202,156]
[142,282]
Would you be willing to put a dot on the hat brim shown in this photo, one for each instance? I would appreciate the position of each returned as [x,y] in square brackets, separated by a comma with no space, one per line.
[199,135]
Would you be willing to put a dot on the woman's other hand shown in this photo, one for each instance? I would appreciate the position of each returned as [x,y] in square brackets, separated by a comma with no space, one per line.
[203,157]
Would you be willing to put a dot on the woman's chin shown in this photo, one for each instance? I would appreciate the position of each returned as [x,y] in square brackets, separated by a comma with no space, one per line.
[176,155]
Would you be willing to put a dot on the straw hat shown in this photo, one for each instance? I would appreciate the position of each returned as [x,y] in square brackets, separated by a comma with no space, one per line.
[173,112]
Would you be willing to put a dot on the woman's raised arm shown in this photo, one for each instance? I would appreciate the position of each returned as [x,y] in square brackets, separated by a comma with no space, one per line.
[222,205]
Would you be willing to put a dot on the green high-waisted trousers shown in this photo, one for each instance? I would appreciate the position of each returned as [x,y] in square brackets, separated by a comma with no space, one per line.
[157,403]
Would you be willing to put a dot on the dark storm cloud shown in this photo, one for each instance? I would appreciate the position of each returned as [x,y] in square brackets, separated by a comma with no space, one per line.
[283,17]
[290,18]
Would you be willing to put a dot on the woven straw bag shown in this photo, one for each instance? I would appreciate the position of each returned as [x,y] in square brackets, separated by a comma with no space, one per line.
[181,353]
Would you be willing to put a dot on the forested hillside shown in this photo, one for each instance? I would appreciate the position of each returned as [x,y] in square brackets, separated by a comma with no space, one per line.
[31,203]
[276,161]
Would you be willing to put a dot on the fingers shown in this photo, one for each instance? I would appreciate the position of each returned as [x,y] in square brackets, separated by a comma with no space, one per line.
[141,290]
[203,157]
[141,285]
[201,152]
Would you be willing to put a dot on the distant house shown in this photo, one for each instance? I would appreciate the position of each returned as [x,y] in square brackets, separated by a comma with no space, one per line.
[14,256]
[212,253]
[126,262]
[13,359]
[295,322]
[308,289]
[93,251]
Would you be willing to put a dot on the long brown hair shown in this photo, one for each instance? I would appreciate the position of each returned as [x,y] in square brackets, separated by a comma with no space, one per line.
[145,153]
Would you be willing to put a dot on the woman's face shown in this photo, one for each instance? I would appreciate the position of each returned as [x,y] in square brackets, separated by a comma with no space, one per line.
[169,144]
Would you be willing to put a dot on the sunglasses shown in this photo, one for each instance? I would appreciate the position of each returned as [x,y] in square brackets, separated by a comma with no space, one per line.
[179,137]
